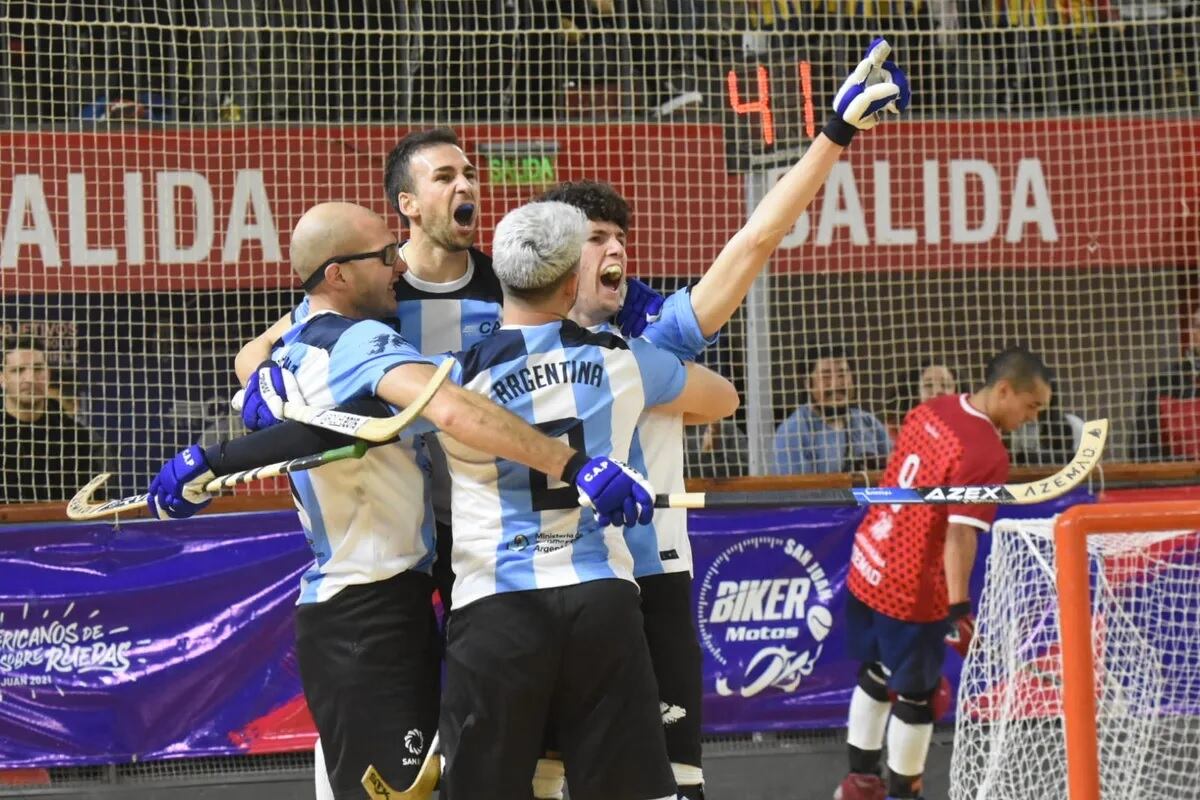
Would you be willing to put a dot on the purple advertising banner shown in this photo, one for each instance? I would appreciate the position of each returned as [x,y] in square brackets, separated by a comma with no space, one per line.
[769,594]
[155,640]
[171,639]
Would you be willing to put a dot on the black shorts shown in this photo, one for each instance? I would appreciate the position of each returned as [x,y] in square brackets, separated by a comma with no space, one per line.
[675,653]
[912,652]
[443,573]
[572,660]
[370,666]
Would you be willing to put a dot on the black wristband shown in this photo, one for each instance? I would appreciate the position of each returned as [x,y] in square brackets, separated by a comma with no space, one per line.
[838,131]
[574,464]
[959,610]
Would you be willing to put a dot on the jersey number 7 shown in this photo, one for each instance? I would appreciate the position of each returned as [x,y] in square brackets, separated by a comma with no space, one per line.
[543,497]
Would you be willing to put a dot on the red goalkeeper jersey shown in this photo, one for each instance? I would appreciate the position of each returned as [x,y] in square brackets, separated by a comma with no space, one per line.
[897,565]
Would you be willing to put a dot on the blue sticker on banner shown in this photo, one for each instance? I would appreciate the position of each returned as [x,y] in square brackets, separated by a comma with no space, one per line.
[764,614]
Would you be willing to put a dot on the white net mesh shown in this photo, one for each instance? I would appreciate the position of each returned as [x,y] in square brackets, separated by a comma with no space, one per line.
[1042,190]
[1009,740]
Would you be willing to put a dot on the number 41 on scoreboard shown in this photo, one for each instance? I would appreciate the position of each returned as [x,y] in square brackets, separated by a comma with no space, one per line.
[762,104]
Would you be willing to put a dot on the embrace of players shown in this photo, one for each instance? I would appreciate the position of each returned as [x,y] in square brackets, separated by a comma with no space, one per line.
[523,498]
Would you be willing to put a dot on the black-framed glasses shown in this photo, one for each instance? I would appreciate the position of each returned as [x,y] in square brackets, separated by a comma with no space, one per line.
[388,255]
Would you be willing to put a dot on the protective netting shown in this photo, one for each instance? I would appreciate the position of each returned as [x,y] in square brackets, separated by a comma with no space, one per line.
[1145,601]
[1041,190]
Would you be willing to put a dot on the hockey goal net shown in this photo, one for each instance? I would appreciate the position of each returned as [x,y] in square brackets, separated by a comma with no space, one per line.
[1084,677]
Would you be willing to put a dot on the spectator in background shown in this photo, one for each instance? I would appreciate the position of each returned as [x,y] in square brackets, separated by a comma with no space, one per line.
[924,383]
[1051,439]
[1168,424]
[45,454]
[829,433]
[717,450]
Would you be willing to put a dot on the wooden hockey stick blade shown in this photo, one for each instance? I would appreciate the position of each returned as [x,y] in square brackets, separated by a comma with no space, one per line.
[431,769]
[81,506]
[1087,456]
[372,429]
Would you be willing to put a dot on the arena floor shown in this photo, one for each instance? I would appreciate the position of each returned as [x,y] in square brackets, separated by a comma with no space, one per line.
[786,767]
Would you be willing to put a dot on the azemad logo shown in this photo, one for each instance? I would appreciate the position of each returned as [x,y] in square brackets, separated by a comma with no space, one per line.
[763,614]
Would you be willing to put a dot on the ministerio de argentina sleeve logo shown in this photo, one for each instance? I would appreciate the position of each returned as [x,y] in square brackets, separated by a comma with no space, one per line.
[763,614]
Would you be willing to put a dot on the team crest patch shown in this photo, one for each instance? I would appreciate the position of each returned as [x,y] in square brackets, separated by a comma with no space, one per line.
[414,741]
[763,614]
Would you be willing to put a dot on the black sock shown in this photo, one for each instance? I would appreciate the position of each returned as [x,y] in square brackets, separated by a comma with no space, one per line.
[864,761]
[904,786]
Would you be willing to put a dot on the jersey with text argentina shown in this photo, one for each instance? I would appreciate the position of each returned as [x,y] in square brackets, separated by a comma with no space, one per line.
[515,528]
[657,448]
[897,566]
[366,519]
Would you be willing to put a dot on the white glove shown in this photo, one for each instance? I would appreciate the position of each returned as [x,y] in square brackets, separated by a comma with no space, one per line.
[875,85]
[261,402]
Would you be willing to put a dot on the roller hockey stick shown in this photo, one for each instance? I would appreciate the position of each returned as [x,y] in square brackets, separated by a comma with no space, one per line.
[431,769]
[81,506]
[371,429]
[1095,433]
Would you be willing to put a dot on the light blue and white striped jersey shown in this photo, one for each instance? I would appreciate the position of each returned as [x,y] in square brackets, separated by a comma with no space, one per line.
[366,519]
[514,528]
[444,318]
[454,316]
[657,449]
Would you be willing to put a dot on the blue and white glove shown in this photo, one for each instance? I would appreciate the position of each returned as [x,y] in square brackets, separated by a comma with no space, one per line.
[875,85]
[641,306]
[261,402]
[616,492]
[177,491]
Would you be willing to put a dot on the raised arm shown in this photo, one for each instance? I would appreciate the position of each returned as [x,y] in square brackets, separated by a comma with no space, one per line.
[725,284]
[873,86]
[706,397]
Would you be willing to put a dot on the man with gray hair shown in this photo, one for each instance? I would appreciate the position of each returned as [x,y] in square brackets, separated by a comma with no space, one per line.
[546,632]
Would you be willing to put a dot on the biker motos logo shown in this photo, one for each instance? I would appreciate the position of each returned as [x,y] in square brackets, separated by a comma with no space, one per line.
[763,614]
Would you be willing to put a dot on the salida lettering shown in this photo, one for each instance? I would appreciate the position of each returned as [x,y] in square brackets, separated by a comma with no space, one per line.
[977,212]
[180,239]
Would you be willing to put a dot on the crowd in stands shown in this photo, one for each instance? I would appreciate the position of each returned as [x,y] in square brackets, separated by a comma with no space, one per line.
[47,451]
[205,61]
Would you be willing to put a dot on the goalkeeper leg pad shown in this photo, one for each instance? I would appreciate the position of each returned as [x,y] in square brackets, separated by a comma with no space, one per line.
[869,706]
[908,737]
